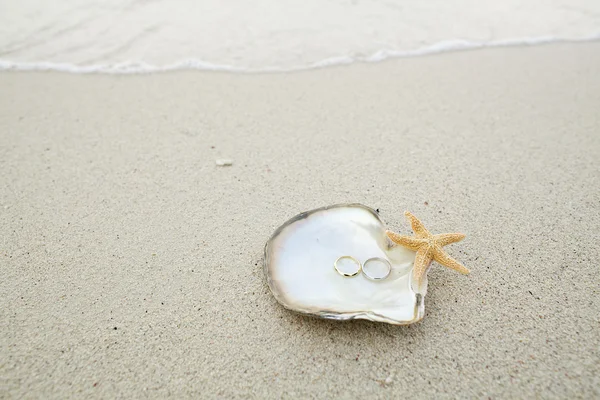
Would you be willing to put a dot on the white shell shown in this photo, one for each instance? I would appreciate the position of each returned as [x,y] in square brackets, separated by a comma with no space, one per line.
[299,260]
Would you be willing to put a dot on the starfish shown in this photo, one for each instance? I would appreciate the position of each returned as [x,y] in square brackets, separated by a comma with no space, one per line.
[428,247]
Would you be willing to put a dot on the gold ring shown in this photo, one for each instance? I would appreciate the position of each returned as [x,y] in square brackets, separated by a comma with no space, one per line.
[381,276]
[335,265]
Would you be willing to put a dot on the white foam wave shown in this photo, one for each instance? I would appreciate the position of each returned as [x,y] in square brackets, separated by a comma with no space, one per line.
[191,64]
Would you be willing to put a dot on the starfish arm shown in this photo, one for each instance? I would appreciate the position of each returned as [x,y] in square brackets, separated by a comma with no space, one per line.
[446,238]
[417,226]
[444,259]
[405,241]
[422,262]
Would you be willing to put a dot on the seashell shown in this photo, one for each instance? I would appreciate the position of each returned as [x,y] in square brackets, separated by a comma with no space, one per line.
[299,266]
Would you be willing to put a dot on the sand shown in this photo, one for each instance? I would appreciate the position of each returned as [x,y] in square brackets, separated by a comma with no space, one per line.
[131,263]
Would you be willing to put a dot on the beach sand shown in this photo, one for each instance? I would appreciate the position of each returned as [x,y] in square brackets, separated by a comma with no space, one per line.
[131,264]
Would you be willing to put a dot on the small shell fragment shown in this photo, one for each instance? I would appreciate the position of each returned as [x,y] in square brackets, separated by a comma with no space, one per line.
[224,162]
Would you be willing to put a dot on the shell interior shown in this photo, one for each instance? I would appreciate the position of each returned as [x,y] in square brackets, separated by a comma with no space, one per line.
[299,264]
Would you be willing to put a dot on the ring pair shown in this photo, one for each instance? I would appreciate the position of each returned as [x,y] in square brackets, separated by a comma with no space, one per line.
[381,267]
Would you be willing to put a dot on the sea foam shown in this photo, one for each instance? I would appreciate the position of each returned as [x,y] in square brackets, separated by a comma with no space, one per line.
[132,36]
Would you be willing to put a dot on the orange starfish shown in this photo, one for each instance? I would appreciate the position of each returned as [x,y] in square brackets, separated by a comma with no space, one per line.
[428,247]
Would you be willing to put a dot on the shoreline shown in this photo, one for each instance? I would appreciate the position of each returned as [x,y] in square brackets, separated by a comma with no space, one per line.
[141,68]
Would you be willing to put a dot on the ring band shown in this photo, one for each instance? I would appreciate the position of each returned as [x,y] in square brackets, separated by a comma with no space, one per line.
[335,265]
[381,260]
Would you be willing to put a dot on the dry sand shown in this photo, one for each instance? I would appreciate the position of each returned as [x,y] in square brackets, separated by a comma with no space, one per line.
[131,265]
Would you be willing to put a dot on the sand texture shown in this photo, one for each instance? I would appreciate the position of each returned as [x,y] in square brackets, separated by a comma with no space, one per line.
[131,264]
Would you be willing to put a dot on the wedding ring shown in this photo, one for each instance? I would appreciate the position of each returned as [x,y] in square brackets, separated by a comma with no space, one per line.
[376,268]
[346,265]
